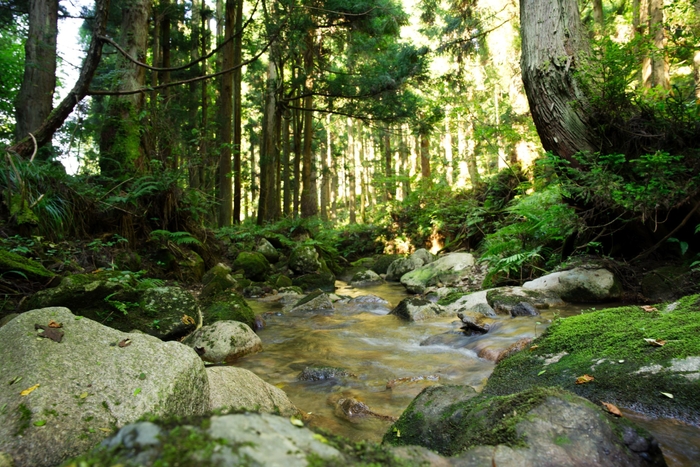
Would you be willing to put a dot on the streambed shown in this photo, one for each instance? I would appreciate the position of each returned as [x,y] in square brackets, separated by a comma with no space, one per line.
[387,366]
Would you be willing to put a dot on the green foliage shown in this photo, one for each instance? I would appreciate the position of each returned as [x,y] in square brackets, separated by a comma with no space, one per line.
[12,66]
[178,238]
[532,233]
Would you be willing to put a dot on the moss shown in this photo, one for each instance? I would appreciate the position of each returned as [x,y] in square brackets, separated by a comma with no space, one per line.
[229,306]
[14,266]
[609,345]
[322,280]
[254,265]
[25,416]
[451,298]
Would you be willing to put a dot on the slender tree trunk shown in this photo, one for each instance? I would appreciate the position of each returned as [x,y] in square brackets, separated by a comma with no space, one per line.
[268,149]
[449,158]
[35,98]
[225,122]
[405,166]
[659,63]
[166,147]
[359,169]
[326,172]
[598,14]
[352,192]
[286,145]
[297,127]
[696,56]
[237,112]
[309,202]
[426,179]
[195,151]
[553,48]
[390,186]
[204,130]
[120,137]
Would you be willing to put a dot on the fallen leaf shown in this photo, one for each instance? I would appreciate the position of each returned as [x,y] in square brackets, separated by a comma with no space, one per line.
[16,379]
[320,438]
[124,343]
[83,395]
[142,376]
[54,324]
[40,423]
[655,342]
[649,308]
[49,333]
[667,394]
[584,379]
[137,391]
[188,320]
[28,390]
[296,422]
[612,409]
[541,373]
[106,430]
[533,347]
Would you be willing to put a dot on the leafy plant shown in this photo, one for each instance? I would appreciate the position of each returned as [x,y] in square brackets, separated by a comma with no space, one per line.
[178,238]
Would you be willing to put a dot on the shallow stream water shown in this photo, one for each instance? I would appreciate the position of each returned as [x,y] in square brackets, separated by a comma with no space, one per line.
[387,365]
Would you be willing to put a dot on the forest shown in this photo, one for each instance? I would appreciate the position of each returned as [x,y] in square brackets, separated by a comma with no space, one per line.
[227,152]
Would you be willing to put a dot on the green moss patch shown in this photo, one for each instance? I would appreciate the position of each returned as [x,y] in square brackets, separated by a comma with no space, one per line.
[610,345]
[451,298]
[14,266]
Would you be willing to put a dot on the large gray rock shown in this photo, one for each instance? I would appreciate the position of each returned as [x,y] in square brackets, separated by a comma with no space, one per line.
[580,285]
[448,270]
[239,389]
[304,259]
[267,250]
[417,309]
[224,341]
[91,381]
[400,267]
[366,278]
[220,441]
[539,427]
[315,301]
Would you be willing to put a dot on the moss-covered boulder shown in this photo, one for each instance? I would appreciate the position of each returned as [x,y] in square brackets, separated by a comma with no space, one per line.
[167,313]
[15,266]
[540,426]
[80,291]
[580,285]
[382,262]
[315,301]
[267,250]
[324,280]
[224,341]
[399,267]
[446,271]
[216,280]
[254,265]
[191,267]
[228,306]
[304,259]
[417,309]
[637,357]
[504,300]
[83,385]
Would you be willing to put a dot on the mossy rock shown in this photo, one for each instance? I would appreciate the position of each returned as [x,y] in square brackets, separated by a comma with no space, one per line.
[540,426]
[217,279]
[450,298]
[254,265]
[15,266]
[191,267]
[282,281]
[324,280]
[610,345]
[382,262]
[304,259]
[228,306]
[417,309]
[128,261]
[365,278]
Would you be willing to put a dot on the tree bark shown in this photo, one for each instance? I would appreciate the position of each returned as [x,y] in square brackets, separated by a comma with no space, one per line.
[225,122]
[554,46]
[659,63]
[309,201]
[25,147]
[326,172]
[696,56]
[35,98]
[237,112]
[268,150]
[390,186]
[426,179]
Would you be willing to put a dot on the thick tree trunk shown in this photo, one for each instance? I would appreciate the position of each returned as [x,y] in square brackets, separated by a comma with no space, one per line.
[25,147]
[225,122]
[35,98]
[659,63]
[309,201]
[696,56]
[554,46]
[237,112]
[268,150]
[326,172]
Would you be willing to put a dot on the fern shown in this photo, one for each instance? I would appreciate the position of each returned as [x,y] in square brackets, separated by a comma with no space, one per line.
[178,238]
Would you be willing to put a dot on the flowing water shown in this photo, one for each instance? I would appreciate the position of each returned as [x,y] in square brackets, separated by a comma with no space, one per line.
[387,366]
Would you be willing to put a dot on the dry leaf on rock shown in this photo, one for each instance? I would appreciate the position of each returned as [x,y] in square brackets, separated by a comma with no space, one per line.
[28,391]
[649,308]
[49,333]
[611,408]
[655,342]
[54,324]
[124,343]
[584,379]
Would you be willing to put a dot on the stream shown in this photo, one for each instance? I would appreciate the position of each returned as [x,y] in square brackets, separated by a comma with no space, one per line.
[387,366]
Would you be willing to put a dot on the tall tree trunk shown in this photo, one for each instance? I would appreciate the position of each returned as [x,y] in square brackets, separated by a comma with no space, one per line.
[598,14]
[326,172]
[268,149]
[659,63]
[297,127]
[204,129]
[359,169]
[309,202]
[35,98]
[225,122]
[389,185]
[166,146]
[237,112]
[351,191]
[553,48]
[696,56]
[405,167]
[286,176]
[120,137]
[426,177]
[449,158]
[195,159]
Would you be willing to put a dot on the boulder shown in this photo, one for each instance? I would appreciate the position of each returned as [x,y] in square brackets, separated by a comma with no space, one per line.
[371,303]
[524,309]
[541,426]
[505,299]
[580,285]
[304,259]
[417,309]
[475,323]
[267,250]
[315,301]
[167,313]
[366,278]
[422,257]
[635,356]
[191,267]
[217,279]
[15,266]
[382,262]
[324,280]
[447,270]
[224,341]
[475,301]
[218,441]
[238,389]
[68,395]
[228,306]
[400,267]
[254,265]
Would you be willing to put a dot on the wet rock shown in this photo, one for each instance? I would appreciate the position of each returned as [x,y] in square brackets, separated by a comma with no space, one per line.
[371,303]
[304,259]
[382,262]
[400,267]
[87,384]
[227,306]
[267,250]
[224,341]
[320,373]
[324,280]
[366,278]
[257,290]
[354,410]
[475,323]
[504,299]
[538,427]
[446,271]
[580,285]
[254,265]
[514,348]
[217,441]
[238,389]
[417,309]
[524,309]
[315,301]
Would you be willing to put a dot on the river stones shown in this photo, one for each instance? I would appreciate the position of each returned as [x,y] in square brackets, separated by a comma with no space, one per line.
[224,341]
[366,278]
[417,309]
[320,373]
[446,271]
[315,301]
[580,285]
